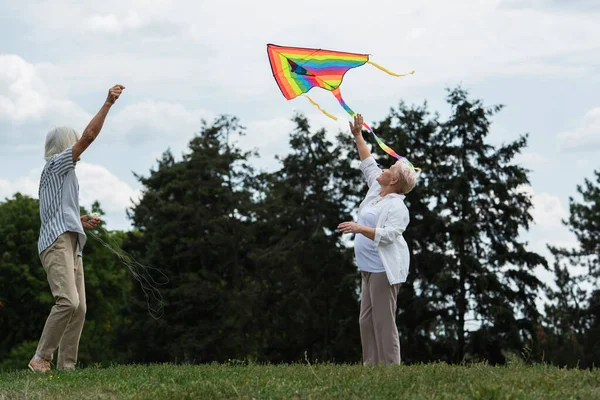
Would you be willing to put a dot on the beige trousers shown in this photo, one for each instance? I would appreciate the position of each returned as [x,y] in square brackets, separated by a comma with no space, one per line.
[64,270]
[378,331]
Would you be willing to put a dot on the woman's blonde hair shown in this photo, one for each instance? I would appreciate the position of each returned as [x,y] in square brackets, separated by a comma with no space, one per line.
[407,177]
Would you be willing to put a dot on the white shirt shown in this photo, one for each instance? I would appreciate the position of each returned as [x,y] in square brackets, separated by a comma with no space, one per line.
[390,222]
[367,256]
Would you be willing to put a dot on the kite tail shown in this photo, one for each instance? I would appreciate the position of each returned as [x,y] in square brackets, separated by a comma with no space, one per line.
[388,71]
[320,109]
[338,95]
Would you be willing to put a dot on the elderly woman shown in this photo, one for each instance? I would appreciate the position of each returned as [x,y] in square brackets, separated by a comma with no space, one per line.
[381,252]
[62,239]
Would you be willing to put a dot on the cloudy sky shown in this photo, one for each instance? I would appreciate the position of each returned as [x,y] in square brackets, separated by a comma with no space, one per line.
[183,61]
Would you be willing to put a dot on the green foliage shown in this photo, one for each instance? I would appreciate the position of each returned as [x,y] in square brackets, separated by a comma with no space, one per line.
[24,294]
[19,356]
[572,331]
[240,251]
[26,300]
[196,226]
[307,279]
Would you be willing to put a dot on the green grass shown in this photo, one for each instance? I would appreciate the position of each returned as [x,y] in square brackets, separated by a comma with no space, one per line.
[303,381]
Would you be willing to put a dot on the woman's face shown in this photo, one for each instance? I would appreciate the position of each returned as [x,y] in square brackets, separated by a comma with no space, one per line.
[388,176]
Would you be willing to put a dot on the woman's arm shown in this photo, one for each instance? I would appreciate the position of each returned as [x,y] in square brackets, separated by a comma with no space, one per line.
[353,227]
[394,225]
[95,126]
[361,145]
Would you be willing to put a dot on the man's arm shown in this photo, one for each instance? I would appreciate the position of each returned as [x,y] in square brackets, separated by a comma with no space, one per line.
[361,145]
[95,126]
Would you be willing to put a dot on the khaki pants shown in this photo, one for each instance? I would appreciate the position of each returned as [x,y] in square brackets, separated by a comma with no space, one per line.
[378,331]
[64,270]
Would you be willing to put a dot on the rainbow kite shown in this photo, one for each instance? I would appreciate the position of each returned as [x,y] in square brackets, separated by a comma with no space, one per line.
[297,70]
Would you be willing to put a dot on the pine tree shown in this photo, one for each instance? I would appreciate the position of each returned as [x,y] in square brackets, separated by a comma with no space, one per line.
[308,279]
[195,224]
[573,315]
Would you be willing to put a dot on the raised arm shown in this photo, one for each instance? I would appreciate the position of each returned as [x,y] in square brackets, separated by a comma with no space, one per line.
[361,145]
[95,126]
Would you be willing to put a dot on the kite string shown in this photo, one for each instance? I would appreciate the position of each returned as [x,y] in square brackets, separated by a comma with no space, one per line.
[140,272]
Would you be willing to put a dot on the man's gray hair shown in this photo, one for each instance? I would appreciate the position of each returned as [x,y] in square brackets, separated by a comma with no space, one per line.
[60,139]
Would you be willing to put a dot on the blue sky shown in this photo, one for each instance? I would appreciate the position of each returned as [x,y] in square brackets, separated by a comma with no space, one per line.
[186,60]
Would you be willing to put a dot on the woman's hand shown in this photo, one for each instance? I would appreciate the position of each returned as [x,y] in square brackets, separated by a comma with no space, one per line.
[89,221]
[114,93]
[350,227]
[353,227]
[361,145]
[356,128]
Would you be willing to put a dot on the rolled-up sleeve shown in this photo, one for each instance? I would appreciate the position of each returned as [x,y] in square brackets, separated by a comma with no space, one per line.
[63,162]
[370,170]
[394,225]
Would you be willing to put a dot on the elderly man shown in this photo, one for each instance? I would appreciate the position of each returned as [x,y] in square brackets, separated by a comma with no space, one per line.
[381,252]
[62,239]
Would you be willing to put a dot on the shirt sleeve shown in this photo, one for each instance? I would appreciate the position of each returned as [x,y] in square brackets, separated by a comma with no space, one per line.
[370,170]
[62,163]
[394,225]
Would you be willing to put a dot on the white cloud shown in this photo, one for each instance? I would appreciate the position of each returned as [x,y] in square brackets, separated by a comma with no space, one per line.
[548,210]
[271,137]
[579,6]
[98,183]
[95,183]
[223,47]
[530,159]
[22,94]
[27,92]
[36,96]
[586,137]
[27,185]
[149,119]
[113,24]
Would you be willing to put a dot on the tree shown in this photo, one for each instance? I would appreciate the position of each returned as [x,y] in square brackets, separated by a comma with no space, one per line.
[584,222]
[195,226]
[308,281]
[24,293]
[573,314]
[480,190]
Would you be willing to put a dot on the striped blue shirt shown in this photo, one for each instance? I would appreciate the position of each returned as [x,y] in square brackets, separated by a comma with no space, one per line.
[59,201]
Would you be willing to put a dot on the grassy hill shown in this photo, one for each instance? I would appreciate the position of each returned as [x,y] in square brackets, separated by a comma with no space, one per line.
[304,381]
